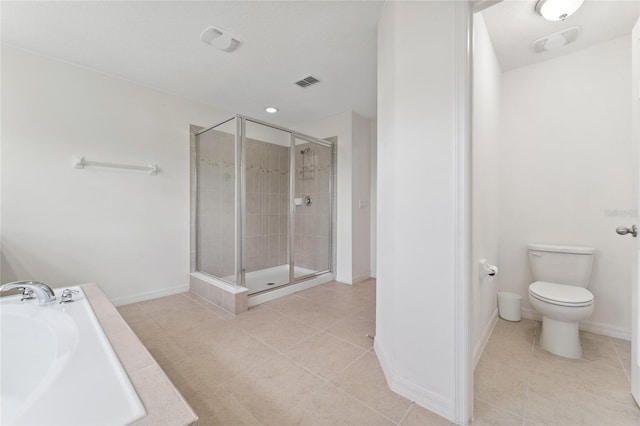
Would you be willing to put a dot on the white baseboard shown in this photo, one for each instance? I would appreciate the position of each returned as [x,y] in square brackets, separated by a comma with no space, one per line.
[360,278]
[148,295]
[344,280]
[484,338]
[424,397]
[587,325]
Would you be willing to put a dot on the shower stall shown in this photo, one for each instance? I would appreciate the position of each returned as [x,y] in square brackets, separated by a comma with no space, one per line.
[263,198]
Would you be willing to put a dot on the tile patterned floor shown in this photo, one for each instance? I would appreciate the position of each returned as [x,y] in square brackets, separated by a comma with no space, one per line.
[305,359]
[518,383]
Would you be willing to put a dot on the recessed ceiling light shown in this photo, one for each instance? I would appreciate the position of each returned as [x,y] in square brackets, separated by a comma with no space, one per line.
[557,10]
[271,110]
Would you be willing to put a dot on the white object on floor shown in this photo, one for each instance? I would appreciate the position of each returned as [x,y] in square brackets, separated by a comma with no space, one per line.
[559,293]
[509,306]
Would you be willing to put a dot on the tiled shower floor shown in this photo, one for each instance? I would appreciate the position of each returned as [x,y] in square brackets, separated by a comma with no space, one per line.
[305,359]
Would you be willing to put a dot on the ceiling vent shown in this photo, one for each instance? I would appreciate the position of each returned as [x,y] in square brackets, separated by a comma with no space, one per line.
[307,81]
[555,40]
[220,39]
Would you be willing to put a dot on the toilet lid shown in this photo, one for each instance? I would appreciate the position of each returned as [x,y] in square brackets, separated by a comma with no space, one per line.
[560,294]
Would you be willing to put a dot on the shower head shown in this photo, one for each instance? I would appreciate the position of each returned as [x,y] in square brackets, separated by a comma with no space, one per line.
[305,151]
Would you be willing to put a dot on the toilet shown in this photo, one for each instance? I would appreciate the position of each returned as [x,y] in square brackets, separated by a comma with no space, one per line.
[560,294]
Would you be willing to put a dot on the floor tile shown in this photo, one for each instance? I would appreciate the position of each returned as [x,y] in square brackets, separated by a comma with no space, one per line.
[324,354]
[331,406]
[418,416]
[282,332]
[487,415]
[365,381]
[305,360]
[356,330]
[270,390]
[562,407]
[220,408]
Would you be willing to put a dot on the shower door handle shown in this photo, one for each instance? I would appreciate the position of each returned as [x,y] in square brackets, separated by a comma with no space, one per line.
[623,230]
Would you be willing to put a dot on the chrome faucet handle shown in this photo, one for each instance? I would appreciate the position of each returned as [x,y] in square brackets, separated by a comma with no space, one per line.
[43,292]
[67,295]
[27,294]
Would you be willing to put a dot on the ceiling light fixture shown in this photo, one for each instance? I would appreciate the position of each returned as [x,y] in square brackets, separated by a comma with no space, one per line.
[220,39]
[557,10]
[271,110]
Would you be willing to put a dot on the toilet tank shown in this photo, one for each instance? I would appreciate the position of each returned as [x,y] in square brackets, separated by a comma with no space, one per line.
[569,265]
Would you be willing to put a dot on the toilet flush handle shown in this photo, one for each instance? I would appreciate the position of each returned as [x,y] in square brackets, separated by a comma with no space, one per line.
[623,230]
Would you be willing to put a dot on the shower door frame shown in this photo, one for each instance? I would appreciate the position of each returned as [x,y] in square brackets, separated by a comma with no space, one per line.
[241,137]
[196,203]
[292,205]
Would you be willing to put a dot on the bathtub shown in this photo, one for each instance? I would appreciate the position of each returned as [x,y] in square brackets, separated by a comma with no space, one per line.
[58,368]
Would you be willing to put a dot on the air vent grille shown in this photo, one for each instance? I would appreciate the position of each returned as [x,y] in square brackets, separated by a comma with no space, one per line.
[307,81]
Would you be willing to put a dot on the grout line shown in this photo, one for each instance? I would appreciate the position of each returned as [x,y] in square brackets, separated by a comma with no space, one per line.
[526,399]
[205,304]
[406,413]
[367,405]
[620,360]
[495,407]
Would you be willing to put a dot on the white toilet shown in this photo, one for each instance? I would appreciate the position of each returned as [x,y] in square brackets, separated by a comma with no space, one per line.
[560,295]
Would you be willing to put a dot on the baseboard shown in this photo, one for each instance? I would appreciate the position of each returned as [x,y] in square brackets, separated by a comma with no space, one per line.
[344,279]
[403,387]
[360,278]
[484,338]
[148,295]
[586,325]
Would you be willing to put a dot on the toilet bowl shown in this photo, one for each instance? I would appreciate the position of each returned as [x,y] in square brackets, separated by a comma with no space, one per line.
[562,308]
[560,294]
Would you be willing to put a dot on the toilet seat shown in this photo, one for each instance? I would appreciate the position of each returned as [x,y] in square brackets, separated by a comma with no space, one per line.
[560,294]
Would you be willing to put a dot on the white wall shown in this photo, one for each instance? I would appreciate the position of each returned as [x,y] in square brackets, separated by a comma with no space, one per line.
[485,174]
[127,231]
[353,184]
[361,197]
[419,184]
[374,195]
[566,161]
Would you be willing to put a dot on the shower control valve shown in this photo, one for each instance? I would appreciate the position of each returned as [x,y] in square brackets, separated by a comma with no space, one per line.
[307,201]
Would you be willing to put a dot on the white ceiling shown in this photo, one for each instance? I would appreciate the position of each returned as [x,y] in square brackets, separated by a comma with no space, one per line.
[157,44]
[514,24]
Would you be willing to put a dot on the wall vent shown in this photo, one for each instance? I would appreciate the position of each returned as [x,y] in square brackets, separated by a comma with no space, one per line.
[307,81]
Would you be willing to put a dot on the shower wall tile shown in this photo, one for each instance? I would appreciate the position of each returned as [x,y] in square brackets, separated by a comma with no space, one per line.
[215,208]
[267,190]
[267,205]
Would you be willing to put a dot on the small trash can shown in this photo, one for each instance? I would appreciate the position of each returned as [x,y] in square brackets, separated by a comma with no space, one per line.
[509,306]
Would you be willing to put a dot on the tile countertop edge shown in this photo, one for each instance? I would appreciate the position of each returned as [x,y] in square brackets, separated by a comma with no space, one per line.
[162,401]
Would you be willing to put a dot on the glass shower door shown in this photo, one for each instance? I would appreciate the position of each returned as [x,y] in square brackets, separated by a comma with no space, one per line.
[216,199]
[266,214]
[312,207]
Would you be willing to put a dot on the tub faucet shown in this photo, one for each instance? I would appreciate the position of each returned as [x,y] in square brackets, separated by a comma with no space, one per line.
[42,291]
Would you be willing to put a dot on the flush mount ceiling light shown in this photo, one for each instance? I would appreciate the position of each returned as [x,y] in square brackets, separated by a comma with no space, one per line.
[220,39]
[557,10]
[271,110]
